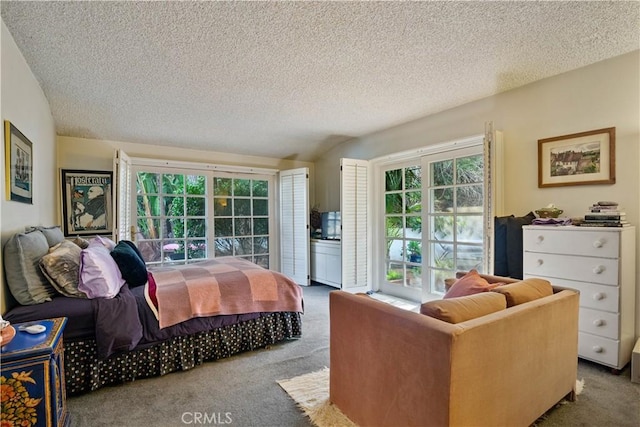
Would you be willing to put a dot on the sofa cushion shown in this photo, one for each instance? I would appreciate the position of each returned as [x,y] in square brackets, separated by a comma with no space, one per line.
[460,309]
[100,276]
[130,263]
[524,291]
[53,234]
[21,256]
[469,284]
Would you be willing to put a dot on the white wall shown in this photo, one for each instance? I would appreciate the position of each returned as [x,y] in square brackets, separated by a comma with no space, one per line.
[25,105]
[601,95]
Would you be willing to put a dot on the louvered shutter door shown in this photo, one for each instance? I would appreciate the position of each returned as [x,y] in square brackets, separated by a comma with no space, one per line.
[355,229]
[122,199]
[294,228]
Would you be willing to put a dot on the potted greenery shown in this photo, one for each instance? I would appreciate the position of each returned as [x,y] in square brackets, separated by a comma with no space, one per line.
[414,251]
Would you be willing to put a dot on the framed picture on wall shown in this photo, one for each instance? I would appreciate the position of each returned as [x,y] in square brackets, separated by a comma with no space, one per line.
[578,159]
[86,202]
[18,155]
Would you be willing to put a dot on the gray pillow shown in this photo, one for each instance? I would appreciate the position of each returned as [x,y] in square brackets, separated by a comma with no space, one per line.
[53,235]
[62,267]
[22,255]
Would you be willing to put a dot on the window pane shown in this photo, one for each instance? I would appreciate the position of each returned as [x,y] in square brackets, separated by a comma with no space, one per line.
[172,184]
[260,226]
[151,250]
[241,207]
[393,226]
[243,246]
[174,206]
[197,249]
[469,198]
[442,227]
[262,261]
[242,227]
[438,277]
[441,200]
[469,228]
[196,206]
[260,207]
[196,228]
[413,202]
[260,188]
[260,245]
[470,170]
[221,186]
[414,251]
[395,249]
[173,250]
[224,247]
[393,203]
[196,184]
[149,228]
[147,182]
[469,257]
[242,187]
[393,180]
[414,276]
[221,206]
[442,173]
[223,227]
[413,178]
[395,273]
[414,226]
[442,255]
[174,228]
[148,205]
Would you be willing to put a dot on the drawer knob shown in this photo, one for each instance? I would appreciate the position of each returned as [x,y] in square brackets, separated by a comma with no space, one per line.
[598,349]
[540,262]
[598,269]
[598,243]
[540,238]
[598,322]
[598,296]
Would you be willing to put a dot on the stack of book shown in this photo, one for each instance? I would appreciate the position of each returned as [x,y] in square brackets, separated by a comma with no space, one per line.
[604,214]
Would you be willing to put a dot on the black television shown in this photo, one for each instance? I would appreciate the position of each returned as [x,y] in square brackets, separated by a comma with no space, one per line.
[331,225]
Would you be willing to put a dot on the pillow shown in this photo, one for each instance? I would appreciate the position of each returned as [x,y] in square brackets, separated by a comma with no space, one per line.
[99,273]
[52,234]
[22,253]
[82,243]
[104,241]
[130,263]
[456,310]
[469,284]
[524,291]
[62,267]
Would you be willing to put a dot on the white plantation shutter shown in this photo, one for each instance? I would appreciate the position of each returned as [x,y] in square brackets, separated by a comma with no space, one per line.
[122,197]
[493,190]
[294,224]
[355,228]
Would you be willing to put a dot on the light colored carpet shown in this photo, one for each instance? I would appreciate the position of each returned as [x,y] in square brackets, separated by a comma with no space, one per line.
[311,393]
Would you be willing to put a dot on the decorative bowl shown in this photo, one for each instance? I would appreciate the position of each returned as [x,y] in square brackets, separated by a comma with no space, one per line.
[549,212]
[7,334]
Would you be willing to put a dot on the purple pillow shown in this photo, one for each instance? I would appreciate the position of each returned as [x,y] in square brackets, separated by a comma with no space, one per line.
[100,276]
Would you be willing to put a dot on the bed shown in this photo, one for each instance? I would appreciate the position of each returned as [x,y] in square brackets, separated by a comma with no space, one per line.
[152,322]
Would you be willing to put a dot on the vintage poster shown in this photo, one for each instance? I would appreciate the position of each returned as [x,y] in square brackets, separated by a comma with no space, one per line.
[86,202]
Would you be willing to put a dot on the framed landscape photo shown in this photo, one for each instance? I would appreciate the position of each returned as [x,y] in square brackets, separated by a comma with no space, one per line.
[86,202]
[584,158]
[18,155]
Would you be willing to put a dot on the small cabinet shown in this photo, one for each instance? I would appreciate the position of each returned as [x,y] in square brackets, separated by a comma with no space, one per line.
[33,373]
[326,262]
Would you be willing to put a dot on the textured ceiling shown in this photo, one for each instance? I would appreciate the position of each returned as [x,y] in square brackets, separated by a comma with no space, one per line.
[291,79]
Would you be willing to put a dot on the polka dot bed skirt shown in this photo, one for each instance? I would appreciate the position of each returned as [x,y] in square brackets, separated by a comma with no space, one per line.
[85,372]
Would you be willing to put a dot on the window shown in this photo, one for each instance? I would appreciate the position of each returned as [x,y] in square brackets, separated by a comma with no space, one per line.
[189,216]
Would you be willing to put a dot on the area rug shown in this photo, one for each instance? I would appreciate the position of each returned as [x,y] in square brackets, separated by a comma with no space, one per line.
[311,393]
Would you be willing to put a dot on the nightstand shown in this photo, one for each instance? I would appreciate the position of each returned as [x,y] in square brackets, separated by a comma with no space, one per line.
[33,390]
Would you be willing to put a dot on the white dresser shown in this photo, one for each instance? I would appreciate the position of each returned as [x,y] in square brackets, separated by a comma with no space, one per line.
[600,263]
[326,262]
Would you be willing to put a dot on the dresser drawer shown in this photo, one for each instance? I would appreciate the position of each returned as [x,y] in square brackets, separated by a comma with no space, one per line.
[599,323]
[599,349]
[587,243]
[600,297]
[584,269]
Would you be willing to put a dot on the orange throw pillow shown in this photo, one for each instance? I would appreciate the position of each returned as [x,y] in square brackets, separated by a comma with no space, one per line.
[469,284]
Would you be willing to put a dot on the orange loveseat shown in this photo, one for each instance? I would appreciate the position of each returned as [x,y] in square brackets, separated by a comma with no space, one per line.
[392,367]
